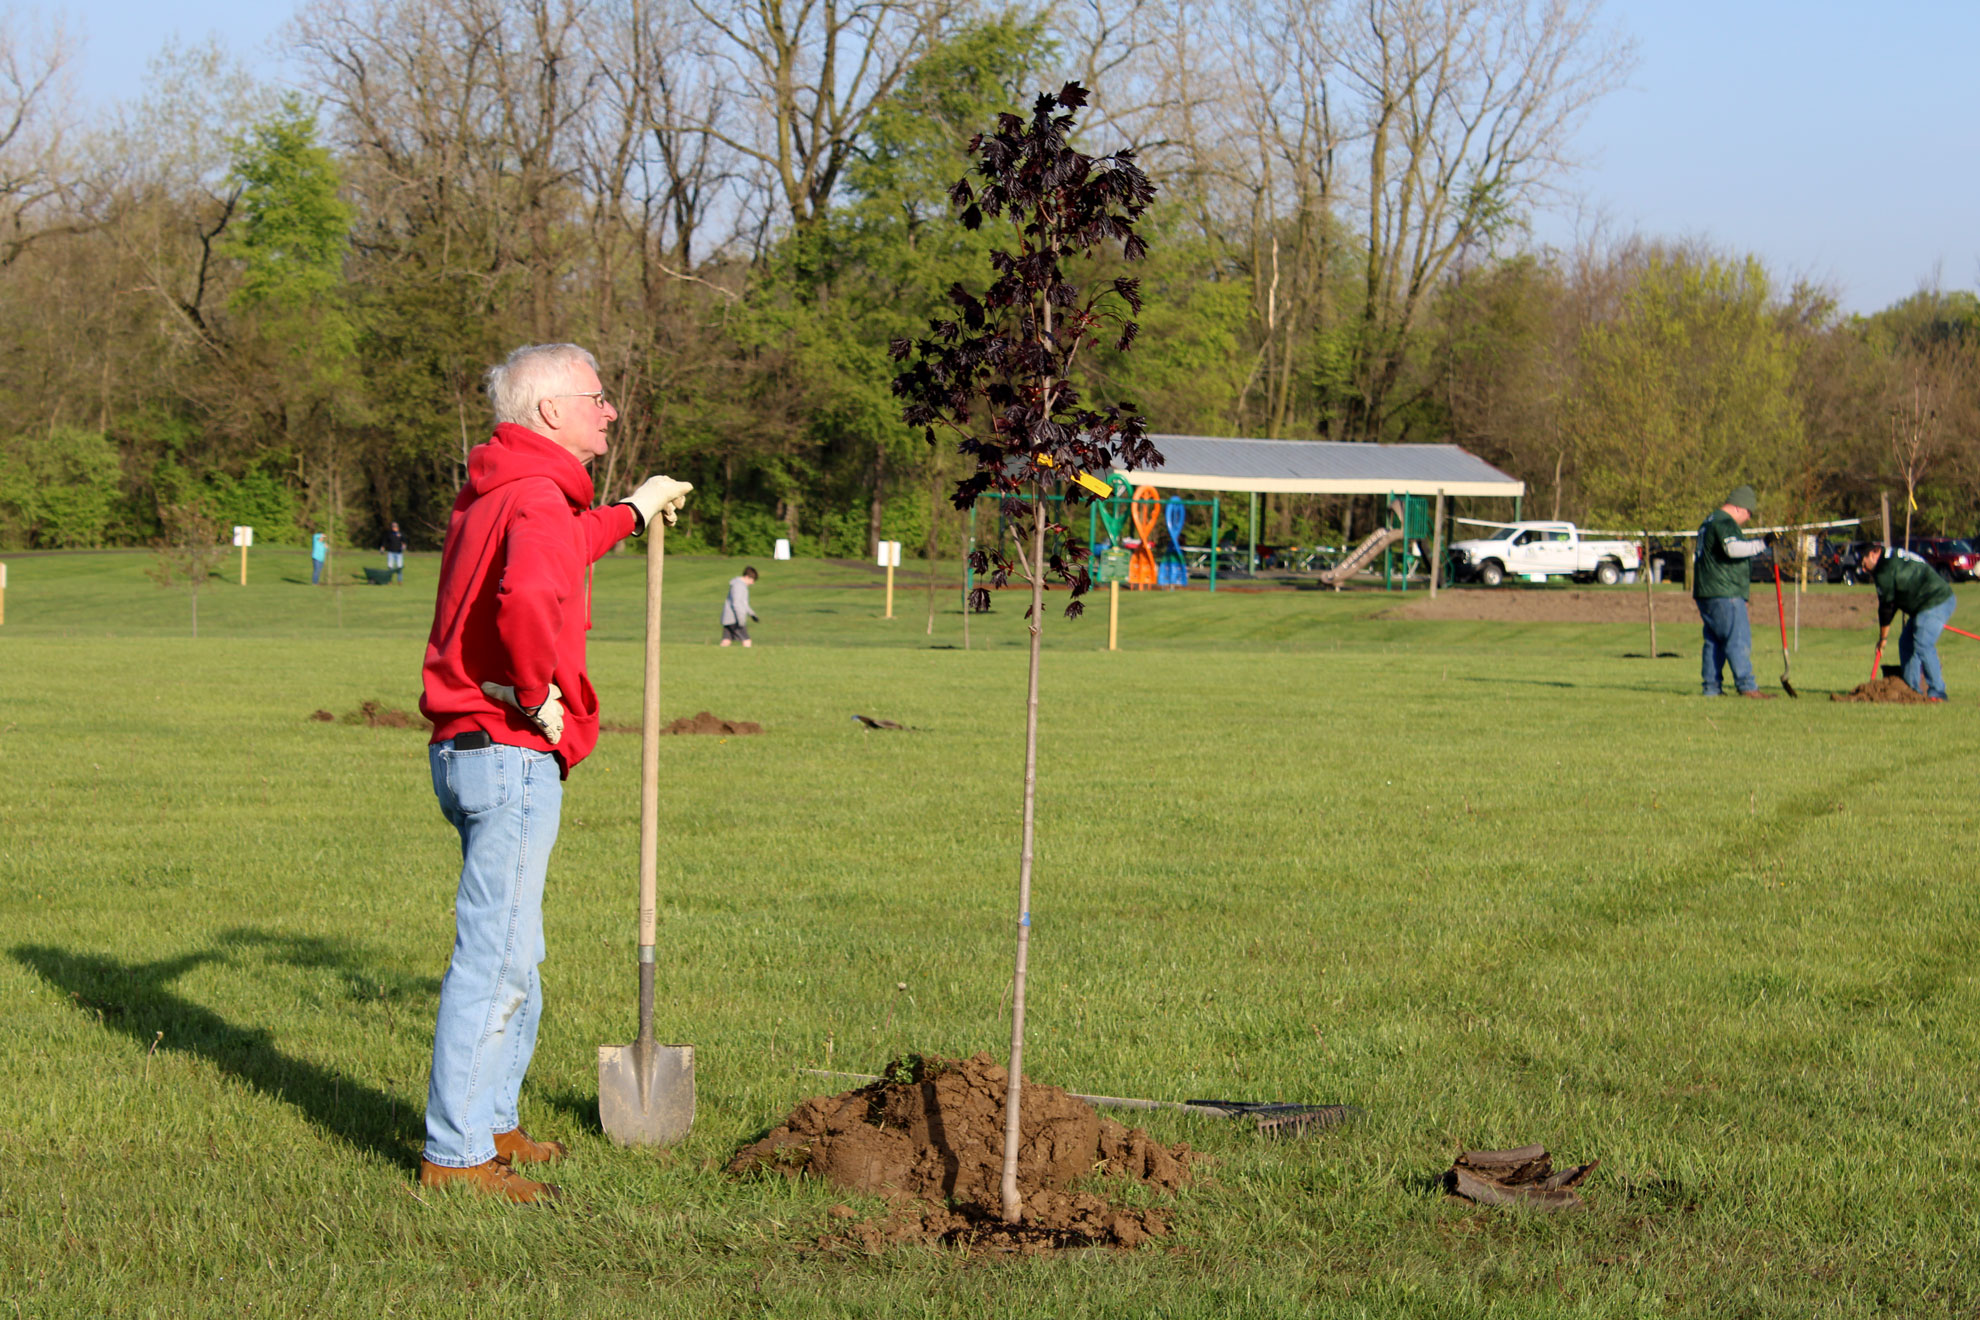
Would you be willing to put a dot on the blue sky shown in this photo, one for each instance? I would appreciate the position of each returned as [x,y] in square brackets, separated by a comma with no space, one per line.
[1836,139]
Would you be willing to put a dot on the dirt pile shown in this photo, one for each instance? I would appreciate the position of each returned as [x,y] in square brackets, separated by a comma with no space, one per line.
[1882,691]
[931,1141]
[700,722]
[703,722]
[374,715]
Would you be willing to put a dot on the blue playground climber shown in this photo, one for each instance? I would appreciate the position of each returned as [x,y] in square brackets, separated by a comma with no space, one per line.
[1173,571]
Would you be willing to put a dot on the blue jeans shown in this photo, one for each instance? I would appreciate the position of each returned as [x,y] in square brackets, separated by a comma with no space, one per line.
[1918,647]
[315,571]
[1728,641]
[504,801]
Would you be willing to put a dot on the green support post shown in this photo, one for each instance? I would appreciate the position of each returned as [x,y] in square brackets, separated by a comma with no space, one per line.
[1216,527]
[1251,550]
[1388,552]
[969,567]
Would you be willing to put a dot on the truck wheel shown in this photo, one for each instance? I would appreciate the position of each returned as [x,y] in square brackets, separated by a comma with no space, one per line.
[1491,573]
[1608,572]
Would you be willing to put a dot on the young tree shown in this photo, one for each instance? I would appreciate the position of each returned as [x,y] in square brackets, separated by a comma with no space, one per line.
[188,552]
[1000,379]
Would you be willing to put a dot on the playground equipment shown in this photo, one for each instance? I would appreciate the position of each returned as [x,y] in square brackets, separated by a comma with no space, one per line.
[1173,570]
[1373,544]
[1142,570]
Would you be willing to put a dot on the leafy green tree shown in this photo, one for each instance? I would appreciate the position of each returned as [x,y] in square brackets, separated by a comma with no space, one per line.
[59,489]
[300,345]
[1686,392]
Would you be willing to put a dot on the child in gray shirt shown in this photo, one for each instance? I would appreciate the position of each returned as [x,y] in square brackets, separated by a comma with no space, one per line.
[736,613]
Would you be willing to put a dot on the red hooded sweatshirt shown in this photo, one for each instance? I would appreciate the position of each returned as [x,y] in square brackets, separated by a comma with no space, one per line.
[513,604]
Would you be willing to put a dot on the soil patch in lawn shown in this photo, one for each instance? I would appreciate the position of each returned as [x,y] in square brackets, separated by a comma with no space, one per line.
[1518,604]
[931,1142]
[1882,691]
[374,715]
[699,722]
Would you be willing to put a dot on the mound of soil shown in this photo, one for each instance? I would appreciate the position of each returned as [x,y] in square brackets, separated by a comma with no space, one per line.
[703,722]
[1882,691]
[700,722]
[373,715]
[932,1144]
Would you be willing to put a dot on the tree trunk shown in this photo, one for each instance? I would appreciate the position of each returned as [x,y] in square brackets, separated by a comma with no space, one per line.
[1013,1203]
[877,505]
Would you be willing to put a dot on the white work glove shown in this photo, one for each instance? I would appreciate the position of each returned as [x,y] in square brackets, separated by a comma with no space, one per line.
[662,496]
[548,718]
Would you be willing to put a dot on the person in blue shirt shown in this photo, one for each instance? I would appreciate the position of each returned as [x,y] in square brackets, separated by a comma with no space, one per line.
[319,552]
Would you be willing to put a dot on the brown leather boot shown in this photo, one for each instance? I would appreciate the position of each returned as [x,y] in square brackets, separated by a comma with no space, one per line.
[494,1178]
[518,1147]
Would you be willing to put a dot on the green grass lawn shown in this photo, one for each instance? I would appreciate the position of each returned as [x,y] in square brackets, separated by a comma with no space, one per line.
[1494,884]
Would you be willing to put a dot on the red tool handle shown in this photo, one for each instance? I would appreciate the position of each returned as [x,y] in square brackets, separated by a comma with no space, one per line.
[1877,663]
[1963,633]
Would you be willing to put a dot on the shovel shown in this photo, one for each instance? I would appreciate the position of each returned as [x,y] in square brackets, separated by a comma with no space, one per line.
[646,1091]
[1781,605]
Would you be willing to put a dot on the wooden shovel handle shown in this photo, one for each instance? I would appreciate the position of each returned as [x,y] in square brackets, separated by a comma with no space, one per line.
[649,744]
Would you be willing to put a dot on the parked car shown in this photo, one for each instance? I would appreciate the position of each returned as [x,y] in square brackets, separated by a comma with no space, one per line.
[1549,549]
[1954,559]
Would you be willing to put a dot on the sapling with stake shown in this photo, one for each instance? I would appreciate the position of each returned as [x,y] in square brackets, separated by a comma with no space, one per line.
[998,378]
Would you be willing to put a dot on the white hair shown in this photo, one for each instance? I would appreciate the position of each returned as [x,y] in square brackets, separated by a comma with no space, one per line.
[530,375]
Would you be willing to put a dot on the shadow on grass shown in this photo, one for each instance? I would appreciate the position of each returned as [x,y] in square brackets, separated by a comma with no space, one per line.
[579,1108]
[136,999]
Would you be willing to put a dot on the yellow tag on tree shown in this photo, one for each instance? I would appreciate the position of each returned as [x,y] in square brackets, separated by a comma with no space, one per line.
[1094,484]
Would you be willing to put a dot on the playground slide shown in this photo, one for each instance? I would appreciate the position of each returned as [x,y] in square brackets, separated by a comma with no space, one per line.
[1375,544]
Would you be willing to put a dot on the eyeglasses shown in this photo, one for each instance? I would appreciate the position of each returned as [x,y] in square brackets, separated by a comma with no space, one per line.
[596,396]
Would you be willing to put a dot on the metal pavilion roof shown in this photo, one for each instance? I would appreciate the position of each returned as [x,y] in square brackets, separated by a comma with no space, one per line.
[1321,467]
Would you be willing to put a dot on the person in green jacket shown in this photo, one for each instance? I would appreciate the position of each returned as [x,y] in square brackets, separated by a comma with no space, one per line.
[1719,579]
[1906,582]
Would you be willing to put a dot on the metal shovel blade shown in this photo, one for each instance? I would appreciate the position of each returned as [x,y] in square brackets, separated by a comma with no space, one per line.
[651,1105]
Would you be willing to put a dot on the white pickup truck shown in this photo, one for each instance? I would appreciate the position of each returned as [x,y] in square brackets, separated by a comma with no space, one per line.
[1548,549]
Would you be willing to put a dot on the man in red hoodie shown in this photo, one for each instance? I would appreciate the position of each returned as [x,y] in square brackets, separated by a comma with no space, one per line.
[512,713]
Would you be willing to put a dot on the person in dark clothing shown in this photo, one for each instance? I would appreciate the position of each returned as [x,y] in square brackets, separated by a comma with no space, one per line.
[1719,583]
[394,546]
[1907,583]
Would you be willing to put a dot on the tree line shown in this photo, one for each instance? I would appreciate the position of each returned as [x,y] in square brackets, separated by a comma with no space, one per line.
[274,305]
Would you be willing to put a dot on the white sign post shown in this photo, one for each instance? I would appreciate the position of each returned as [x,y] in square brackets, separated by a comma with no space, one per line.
[244,537]
[890,559]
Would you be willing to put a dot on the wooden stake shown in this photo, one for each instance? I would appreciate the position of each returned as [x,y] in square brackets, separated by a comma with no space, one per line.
[3,593]
[1114,615]
[890,586]
[1437,546]
[244,566]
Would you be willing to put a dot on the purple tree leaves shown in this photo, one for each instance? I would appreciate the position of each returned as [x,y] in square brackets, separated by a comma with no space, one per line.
[999,376]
